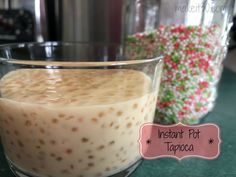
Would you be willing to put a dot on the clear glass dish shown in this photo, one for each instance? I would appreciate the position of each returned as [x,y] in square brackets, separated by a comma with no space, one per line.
[74,109]
[193,37]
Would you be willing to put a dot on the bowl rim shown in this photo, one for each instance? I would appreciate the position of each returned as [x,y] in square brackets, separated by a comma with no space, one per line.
[44,62]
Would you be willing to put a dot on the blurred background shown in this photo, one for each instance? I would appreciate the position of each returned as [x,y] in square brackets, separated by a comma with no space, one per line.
[230,61]
[71,20]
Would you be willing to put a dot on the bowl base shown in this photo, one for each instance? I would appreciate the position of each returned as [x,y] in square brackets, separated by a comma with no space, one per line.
[125,173]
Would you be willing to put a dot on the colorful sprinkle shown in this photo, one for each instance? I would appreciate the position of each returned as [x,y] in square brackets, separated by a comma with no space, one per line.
[192,67]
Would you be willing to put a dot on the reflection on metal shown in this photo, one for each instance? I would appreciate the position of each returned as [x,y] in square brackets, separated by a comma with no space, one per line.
[38,10]
[89,20]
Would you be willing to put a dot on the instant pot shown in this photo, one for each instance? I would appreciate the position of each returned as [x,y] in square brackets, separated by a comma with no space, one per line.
[64,20]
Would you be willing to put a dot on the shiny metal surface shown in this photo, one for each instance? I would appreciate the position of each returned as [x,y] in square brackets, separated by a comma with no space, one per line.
[73,20]
[89,20]
[37,8]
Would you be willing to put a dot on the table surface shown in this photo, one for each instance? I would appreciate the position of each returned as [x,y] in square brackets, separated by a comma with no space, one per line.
[224,115]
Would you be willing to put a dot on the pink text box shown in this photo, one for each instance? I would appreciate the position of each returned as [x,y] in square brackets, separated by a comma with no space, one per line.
[179,141]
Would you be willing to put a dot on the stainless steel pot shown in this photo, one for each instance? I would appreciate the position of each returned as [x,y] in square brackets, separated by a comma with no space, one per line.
[23,21]
[88,20]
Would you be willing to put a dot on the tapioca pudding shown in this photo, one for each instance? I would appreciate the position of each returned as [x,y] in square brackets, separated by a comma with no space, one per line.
[74,123]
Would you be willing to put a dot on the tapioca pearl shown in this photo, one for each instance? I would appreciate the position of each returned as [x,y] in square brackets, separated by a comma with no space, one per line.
[53,142]
[111,142]
[55,121]
[129,95]
[61,115]
[129,125]
[81,120]
[16,133]
[28,123]
[101,114]
[25,115]
[135,105]
[59,159]
[84,140]
[74,129]
[68,151]
[41,141]
[107,169]
[6,121]
[90,157]
[94,120]
[38,147]
[119,113]
[90,164]
[10,118]
[111,124]
[117,155]
[117,127]
[52,155]
[101,147]
[73,100]
[72,166]
[80,160]
[42,130]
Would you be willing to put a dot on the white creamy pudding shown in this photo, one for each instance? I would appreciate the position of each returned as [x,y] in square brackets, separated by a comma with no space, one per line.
[74,123]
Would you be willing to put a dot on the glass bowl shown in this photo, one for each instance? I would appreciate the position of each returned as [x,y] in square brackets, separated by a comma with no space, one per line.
[74,109]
